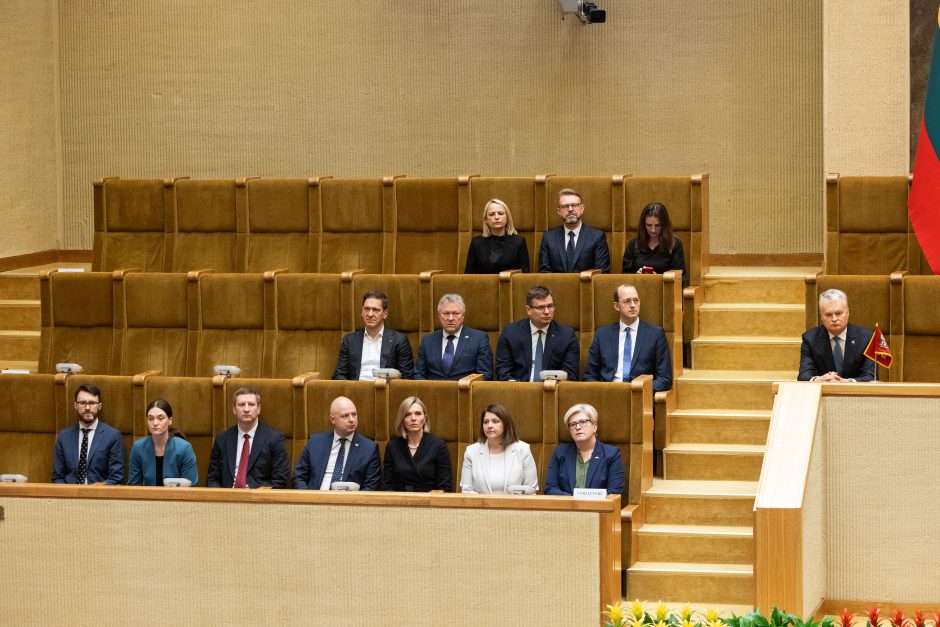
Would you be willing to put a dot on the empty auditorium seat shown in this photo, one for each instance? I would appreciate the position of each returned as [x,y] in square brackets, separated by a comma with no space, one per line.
[309,325]
[917,353]
[353,227]
[280,216]
[207,234]
[30,419]
[156,323]
[525,197]
[131,223]
[432,229]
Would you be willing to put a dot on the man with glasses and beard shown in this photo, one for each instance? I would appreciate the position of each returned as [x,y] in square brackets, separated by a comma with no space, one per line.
[89,451]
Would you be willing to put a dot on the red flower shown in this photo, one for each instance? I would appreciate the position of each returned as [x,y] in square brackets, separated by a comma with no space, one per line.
[845,619]
[873,616]
[936,619]
[920,618]
[898,619]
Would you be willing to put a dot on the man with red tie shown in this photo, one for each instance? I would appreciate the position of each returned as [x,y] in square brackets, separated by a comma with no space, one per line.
[251,454]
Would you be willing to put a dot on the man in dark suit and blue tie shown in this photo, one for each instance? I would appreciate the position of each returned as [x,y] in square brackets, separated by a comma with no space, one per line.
[339,455]
[537,343]
[629,347]
[574,246]
[250,454]
[835,350]
[89,451]
[374,346]
[455,351]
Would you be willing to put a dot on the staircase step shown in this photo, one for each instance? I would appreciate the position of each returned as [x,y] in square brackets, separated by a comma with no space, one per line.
[729,503]
[750,289]
[717,389]
[752,319]
[725,426]
[20,315]
[705,543]
[19,286]
[737,462]
[716,352]
[19,345]
[719,583]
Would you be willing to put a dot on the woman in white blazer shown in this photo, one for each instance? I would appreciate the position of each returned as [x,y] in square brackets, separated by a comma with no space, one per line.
[499,459]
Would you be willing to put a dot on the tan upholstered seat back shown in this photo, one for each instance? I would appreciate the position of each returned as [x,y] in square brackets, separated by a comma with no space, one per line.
[78,322]
[309,324]
[920,347]
[157,336]
[28,425]
[525,198]
[206,227]
[352,225]
[404,302]
[603,207]
[130,224]
[427,235]
[232,330]
[279,224]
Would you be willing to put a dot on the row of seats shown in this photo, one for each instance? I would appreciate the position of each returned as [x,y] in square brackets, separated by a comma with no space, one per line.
[37,406]
[279,325]
[868,231]
[391,225]
[906,307]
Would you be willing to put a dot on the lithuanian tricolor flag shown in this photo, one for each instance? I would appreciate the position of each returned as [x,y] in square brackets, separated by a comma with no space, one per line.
[923,205]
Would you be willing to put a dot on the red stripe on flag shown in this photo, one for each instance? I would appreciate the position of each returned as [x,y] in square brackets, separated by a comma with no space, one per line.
[924,202]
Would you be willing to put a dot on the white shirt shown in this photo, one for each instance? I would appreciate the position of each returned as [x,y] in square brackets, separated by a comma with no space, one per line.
[91,436]
[534,330]
[331,464]
[841,336]
[618,376]
[577,234]
[456,335]
[241,443]
[497,472]
[371,354]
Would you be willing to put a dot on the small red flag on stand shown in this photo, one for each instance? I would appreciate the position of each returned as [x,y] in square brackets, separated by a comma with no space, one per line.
[877,349]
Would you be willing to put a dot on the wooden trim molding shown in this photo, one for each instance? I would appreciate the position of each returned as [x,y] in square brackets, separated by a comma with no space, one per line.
[44,257]
[760,260]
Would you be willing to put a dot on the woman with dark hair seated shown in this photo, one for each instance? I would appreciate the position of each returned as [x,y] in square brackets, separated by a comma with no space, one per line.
[585,462]
[498,459]
[500,247]
[164,453]
[416,461]
[655,249]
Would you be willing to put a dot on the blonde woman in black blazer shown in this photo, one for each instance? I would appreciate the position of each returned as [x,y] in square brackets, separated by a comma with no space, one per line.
[416,461]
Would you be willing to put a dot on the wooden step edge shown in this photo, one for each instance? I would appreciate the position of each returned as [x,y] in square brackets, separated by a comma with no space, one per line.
[771,340]
[717,531]
[745,414]
[20,302]
[709,375]
[733,570]
[754,307]
[715,449]
[12,333]
[704,487]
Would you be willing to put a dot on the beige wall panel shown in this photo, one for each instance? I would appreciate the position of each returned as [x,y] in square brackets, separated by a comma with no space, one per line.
[882,506]
[867,87]
[28,179]
[815,551]
[220,89]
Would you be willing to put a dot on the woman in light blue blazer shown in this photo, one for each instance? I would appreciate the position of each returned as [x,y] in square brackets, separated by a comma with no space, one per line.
[164,453]
[498,459]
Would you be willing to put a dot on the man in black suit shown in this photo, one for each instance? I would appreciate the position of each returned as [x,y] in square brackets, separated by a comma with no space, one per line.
[251,454]
[608,357]
[537,343]
[455,351]
[834,351]
[574,246]
[375,346]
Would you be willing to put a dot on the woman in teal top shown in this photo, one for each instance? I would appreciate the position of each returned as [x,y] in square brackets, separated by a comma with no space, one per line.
[164,453]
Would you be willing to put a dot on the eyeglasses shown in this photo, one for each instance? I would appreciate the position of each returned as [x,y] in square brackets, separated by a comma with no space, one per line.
[578,424]
[630,301]
[543,308]
[570,205]
[87,403]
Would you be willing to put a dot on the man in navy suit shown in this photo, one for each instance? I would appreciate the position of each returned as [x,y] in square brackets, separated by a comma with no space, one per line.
[536,343]
[455,351]
[95,456]
[835,350]
[375,346]
[574,246]
[339,455]
[251,454]
[629,347]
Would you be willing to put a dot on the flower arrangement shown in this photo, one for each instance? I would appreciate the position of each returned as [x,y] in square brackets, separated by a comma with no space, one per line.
[635,614]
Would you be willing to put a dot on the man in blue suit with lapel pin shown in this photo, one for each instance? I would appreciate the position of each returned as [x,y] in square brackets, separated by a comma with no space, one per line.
[375,346]
[455,351]
[629,347]
[835,350]
[89,451]
[339,455]
[574,246]
[537,343]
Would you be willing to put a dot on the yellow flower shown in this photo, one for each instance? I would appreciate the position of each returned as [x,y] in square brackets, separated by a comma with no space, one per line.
[661,623]
[711,616]
[688,623]
[686,613]
[715,623]
[615,612]
[660,612]
[637,609]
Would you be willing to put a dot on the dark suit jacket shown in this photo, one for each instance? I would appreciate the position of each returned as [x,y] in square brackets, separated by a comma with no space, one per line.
[590,252]
[816,354]
[361,466]
[179,460]
[268,465]
[650,355]
[105,462]
[514,351]
[396,353]
[428,470]
[472,355]
[605,471]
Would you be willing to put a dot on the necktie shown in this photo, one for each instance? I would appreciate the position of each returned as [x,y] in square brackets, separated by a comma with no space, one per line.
[627,349]
[241,477]
[82,458]
[837,353]
[448,359]
[340,462]
[569,251]
[537,362]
